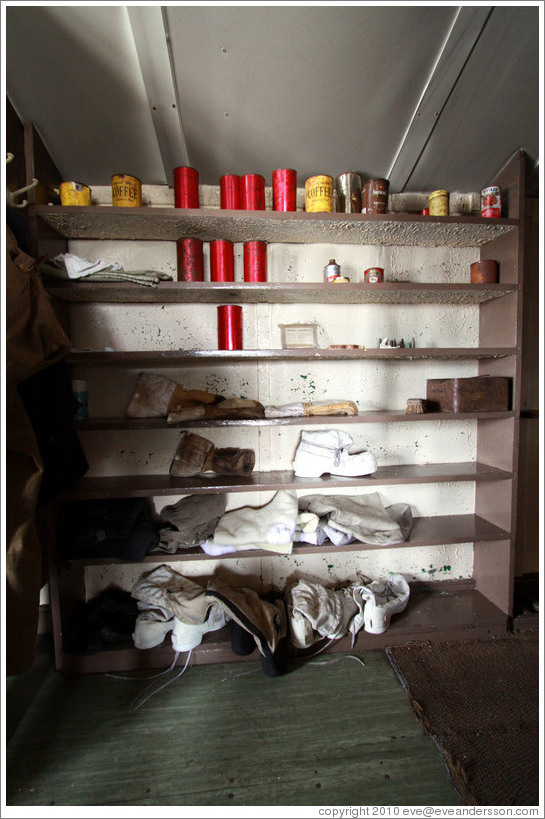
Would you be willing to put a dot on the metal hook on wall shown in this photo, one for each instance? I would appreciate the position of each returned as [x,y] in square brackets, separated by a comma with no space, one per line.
[13,195]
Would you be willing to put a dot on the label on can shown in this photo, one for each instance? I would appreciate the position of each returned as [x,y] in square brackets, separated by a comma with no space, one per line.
[126,191]
[75,193]
[319,194]
[373,275]
[491,202]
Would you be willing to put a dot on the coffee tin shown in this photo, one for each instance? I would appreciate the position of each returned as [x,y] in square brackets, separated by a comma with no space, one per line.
[75,193]
[439,203]
[373,275]
[126,191]
[319,194]
[491,202]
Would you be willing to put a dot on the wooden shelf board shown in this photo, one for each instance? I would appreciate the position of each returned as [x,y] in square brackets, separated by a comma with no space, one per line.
[434,531]
[276,293]
[447,613]
[170,224]
[370,417]
[120,486]
[179,358]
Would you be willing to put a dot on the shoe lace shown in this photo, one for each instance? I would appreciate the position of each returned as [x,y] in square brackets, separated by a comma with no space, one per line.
[141,699]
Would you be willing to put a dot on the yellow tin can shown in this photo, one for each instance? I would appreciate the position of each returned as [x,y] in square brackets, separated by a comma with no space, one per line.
[126,191]
[75,193]
[319,194]
[439,203]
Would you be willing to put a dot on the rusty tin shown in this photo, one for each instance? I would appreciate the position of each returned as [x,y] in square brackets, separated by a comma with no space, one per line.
[255,261]
[189,257]
[75,193]
[484,272]
[126,191]
[319,194]
[284,185]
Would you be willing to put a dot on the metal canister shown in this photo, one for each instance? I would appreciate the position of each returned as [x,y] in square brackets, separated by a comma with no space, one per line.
[439,203]
[229,327]
[222,261]
[373,275]
[230,192]
[374,196]
[348,189]
[75,193]
[255,261]
[284,185]
[189,257]
[186,187]
[332,271]
[319,194]
[491,202]
[252,192]
[126,191]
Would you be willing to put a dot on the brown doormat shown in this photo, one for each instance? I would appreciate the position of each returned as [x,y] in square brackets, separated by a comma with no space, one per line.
[479,700]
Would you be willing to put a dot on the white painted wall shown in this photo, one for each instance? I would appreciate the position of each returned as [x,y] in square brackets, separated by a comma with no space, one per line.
[372,385]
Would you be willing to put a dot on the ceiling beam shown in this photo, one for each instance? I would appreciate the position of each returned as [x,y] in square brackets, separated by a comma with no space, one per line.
[461,39]
[152,46]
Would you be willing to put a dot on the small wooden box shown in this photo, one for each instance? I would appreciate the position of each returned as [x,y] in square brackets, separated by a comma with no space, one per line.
[488,393]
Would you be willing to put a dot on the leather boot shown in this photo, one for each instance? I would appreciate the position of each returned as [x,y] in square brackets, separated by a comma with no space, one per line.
[233,461]
[193,455]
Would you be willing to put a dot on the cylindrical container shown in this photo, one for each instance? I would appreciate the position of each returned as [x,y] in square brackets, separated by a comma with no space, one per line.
[319,194]
[425,212]
[284,185]
[190,260]
[126,191]
[186,187]
[222,261]
[252,192]
[341,280]
[373,275]
[348,188]
[75,193]
[375,196]
[491,202]
[229,327]
[485,272]
[230,192]
[255,261]
[79,389]
[439,203]
[332,271]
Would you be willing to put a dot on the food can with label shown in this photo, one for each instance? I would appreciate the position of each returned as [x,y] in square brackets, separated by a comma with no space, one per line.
[332,271]
[319,194]
[126,191]
[75,193]
[255,261]
[439,203]
[491,202]
[374,196]
[373,275]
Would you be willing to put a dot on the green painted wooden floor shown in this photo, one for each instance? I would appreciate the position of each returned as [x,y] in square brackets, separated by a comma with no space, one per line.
[324,734]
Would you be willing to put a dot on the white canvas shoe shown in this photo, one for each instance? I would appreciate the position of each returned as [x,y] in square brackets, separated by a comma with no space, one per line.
[186,636]
[326,451]
[383,598]
[151,627]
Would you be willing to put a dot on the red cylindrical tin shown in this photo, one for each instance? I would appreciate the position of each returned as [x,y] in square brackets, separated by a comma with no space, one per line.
[252,192]
[425,212]
[189,257]
[373,275]
[485,272]
[491,202]
[284,185]
[229,327]
[255,261]
[230,192]
[222,261]
[186,187]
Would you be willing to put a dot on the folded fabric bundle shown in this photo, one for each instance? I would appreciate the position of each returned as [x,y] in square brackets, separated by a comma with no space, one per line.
[308,529]
[190,521]
[299,409]
[69,266]
[270,527]
[365,518]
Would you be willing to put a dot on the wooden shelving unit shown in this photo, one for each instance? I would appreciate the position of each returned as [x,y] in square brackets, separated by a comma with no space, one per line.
[442,610]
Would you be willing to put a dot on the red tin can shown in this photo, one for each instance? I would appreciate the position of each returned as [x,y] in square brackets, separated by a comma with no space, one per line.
[230,192]
[373,275]
[255,261]
[491,202]
[189,256]
[229,327]
[252,192]
[222,261]
[284,185]
[186,188]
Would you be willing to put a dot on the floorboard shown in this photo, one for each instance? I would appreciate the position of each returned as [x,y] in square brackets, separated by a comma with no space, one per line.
[330,732]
